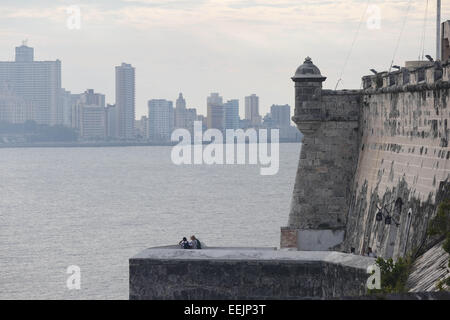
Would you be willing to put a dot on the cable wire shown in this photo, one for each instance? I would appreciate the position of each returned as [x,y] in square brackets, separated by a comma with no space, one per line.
[400,35]
[352,45]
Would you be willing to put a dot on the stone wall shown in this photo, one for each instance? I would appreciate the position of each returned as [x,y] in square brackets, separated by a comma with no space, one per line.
[245,274]
[329,121]
[428,270]
[327,162]
[383,146]
[403,160]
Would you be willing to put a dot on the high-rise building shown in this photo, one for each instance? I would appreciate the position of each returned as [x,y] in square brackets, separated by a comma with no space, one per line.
[203,120]
[232,114]
[92,98]
[191,117]
[89,115]
[252,110]
[160,119]
[14,109]
[38,82]
[66,101]
[125,100]
[24,53]
[215,112]
[180,112]
[111,121]
[142,127]
[92,122]
[281,115]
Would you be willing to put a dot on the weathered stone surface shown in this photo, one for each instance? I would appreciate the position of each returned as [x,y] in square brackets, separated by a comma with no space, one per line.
[161,273]
[428,270]
[329,121]
[383,146]
[312,240]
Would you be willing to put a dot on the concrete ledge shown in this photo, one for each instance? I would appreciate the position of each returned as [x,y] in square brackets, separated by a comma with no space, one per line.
[240,273]
[311,240]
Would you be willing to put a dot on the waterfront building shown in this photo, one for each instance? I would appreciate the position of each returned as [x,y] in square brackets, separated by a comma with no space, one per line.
[252,110]
[14,109]
[93,122]
[38,82]
[231,108]
[215,112]
[125,100]
[111,121]
[160,119]
[281,115]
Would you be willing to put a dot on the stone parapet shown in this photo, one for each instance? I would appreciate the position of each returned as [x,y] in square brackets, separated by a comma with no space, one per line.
[230,274]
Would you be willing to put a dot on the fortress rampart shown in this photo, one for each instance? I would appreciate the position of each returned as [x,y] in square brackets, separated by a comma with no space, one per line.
[384,145]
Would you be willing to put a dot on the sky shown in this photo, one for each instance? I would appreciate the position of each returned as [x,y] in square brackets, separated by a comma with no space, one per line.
[234,47]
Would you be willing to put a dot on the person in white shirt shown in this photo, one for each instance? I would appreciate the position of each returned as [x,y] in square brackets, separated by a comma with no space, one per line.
[195,243]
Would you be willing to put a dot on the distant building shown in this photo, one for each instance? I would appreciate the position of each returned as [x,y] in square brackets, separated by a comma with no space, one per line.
[111,121]
[252,110]
[125,100]
[281,115]
[67,101]
[215,112]
[89,115]
[279,118]
[14,109]
[38,82]
[268,121]
[203,120]
[24,53]
[244,124]
[160,119]
[191,117]
[232,114]
[142,127]
[180,112]
[92,98]
[93,122]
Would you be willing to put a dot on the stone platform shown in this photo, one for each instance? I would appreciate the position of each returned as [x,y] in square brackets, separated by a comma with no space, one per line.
[245,273]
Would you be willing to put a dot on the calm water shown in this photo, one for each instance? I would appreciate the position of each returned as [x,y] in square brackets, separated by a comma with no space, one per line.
[97,207]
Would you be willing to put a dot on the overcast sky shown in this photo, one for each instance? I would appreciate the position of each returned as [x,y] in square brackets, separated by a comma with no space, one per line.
[234,47]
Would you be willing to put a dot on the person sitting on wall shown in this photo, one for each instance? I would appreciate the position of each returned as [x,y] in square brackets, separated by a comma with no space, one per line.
[195,243]
[184,243]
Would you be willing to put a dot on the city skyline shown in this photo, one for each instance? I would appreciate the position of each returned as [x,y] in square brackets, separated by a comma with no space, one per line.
[25,54]
[252,45]
[27,93]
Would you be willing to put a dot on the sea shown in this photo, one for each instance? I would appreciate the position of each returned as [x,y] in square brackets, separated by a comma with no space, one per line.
[94,208]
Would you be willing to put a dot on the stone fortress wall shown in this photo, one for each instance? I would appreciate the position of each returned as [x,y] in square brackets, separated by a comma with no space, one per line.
[383,145]
[403,158]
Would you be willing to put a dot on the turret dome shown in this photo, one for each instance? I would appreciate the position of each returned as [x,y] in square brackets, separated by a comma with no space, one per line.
[308,70]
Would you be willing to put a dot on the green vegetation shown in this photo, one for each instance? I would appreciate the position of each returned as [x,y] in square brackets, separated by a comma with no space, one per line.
[393,275]
[440,226]
[440,284]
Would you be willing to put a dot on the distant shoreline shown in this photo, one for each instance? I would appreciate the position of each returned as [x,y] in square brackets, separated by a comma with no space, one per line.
[96,144]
